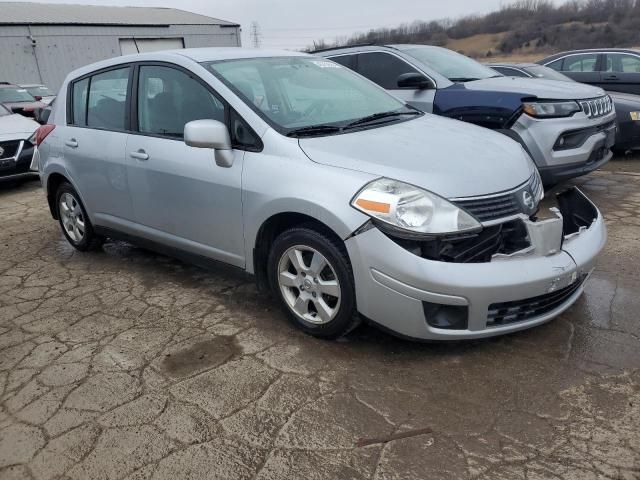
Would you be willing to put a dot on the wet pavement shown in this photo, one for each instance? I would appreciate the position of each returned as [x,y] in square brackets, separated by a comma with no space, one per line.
[127,364]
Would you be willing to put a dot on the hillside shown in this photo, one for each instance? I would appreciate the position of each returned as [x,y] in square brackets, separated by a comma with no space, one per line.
[526,29]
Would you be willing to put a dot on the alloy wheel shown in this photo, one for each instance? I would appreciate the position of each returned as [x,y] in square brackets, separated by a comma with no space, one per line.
[309,284]
[73,220]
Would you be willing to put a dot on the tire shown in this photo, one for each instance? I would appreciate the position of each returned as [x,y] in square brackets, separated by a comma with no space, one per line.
[75,224]
[319,300]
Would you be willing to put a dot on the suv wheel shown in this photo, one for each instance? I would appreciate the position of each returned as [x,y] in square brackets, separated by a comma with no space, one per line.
[74,220]
[311,275]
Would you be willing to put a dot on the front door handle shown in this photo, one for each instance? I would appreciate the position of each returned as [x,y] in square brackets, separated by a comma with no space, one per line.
[139,155]
[72,142]
[611,77]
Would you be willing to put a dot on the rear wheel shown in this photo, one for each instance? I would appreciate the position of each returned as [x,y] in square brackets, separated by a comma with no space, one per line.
[74,220]
[311,275]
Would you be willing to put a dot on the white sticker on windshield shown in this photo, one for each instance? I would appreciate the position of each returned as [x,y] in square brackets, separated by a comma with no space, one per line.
[325,64]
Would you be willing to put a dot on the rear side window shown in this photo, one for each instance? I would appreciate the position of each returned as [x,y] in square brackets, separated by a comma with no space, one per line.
[80,90]
[556,65]
[169,98]
[581,63]
[510,72]
[623,63]
[383,68]
[108,99]
[348,61]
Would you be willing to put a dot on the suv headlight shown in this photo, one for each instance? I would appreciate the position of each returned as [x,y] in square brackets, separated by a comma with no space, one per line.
[551,109]
[412,210]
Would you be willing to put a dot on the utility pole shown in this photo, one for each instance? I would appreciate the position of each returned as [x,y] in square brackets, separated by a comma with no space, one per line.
[256,35]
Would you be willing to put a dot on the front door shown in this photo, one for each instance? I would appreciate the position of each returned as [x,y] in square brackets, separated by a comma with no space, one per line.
[180,196]
[384,69]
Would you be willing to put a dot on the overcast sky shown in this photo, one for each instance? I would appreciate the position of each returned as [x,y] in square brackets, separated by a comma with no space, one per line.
[295,24]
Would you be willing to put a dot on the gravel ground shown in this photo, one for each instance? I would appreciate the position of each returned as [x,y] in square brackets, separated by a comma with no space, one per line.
[127,364]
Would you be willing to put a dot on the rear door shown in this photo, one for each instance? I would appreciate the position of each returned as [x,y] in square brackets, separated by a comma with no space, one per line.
[621,73]
[94,142]
[582,67]
[181,198]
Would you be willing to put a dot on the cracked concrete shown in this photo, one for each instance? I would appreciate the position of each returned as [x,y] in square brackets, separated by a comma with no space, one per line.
[124,364]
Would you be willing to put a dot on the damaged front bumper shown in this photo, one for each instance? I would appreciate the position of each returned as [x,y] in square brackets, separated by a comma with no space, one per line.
[447,293]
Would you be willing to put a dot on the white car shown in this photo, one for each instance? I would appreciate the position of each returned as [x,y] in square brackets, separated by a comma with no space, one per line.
[17,144]
[40,92]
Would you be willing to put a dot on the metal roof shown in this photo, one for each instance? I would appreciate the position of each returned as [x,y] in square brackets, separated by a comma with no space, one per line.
[27,13]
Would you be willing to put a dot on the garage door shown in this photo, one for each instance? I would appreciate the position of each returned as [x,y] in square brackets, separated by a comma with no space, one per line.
[141,45]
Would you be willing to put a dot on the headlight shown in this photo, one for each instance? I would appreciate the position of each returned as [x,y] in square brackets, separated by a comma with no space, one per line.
[551,109]
[412,209]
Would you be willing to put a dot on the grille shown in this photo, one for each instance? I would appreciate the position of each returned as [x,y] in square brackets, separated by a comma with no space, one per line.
[520,310]
[597,107]
[9,149]
[504,238]
[487,209]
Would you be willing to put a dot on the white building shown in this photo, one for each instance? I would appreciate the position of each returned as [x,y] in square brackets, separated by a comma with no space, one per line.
[42,43]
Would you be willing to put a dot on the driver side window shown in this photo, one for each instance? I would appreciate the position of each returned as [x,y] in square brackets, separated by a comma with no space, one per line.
[168,99]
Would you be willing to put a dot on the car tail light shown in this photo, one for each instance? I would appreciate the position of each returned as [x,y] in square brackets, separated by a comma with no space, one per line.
[43,132]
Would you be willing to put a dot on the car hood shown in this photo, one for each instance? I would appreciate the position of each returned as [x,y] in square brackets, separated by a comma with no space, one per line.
[16,127]
[539,87]
[447,157]
[23,105]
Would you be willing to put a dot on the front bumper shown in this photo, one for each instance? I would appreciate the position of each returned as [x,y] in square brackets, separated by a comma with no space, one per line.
[556,164]
[393,285]
[17,163]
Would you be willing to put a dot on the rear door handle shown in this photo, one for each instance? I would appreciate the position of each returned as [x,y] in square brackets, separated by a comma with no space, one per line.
[140,155]
[72,142]
[611,77]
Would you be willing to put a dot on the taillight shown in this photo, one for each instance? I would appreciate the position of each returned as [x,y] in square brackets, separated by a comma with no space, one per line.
[43,132]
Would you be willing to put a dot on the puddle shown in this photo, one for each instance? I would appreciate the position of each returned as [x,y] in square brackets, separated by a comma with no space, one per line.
[199,356]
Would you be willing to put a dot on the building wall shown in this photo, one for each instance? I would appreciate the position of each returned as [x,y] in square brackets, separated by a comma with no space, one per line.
[57,50]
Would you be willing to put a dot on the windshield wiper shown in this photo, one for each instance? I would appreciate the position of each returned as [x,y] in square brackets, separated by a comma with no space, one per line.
[463,79]
[313,130]
[379,116]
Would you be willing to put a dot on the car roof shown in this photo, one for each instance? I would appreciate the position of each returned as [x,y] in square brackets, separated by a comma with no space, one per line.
[31,85]
[8,85]
[212,54]
[369,46]
[588,50]
[198,55]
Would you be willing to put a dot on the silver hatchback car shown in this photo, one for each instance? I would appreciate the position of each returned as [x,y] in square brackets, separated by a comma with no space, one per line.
[340,198]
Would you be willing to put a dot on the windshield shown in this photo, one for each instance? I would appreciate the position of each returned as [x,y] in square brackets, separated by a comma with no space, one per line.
[547,73]
[452,65]
[292,93]
[40,91]
[15,95]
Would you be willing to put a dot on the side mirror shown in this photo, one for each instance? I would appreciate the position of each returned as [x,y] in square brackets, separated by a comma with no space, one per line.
[414,81]
[38,97]
[41,115]
[210,134]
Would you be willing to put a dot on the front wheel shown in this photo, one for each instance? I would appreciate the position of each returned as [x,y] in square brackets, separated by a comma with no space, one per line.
[311,274]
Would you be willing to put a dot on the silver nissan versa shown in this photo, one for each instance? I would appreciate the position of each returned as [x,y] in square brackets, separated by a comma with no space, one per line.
[339,197]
